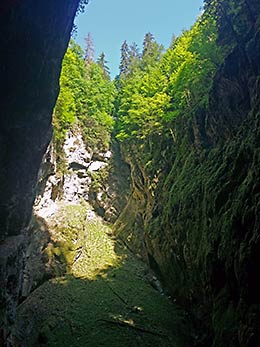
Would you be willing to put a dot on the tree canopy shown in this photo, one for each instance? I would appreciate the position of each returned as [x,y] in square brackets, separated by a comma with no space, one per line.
[86,98]
[153,87]
[158,86]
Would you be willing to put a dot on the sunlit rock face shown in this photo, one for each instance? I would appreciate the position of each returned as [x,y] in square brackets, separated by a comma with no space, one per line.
[86,176]
[76,178]
[80,164]
[34,36]
[70,186]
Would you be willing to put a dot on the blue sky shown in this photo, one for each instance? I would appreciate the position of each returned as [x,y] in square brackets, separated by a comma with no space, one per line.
[112,21]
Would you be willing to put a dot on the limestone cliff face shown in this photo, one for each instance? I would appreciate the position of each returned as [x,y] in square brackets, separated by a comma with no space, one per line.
[195,213]
[100,178]
[34,36]
[85,179]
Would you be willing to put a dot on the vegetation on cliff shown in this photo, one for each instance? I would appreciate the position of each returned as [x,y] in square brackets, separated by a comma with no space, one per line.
[184,118]
[142,108]
[86,98]
[155,87]
[193,169]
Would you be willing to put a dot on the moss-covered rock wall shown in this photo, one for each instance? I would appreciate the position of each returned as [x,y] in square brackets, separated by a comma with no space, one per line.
[194,211]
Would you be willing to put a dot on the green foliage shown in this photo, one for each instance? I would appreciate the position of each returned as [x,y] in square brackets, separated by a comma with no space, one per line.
[97,121]
[125,61]
[151,52]
[159,87]
[190,65]
[102,62]
[86,97]
[152,89]
[142,104]
[70,103]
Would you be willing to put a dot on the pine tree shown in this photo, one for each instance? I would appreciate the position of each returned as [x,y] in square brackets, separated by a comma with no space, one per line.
[124,62]
[134,57]
[134,52]
[152,51]
[102,62]
[89,50]
[147,43]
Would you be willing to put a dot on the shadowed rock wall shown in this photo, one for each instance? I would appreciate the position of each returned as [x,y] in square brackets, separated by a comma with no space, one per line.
[195,214]
[34,36]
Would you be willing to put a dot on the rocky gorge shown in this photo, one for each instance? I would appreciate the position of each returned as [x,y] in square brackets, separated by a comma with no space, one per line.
[184,199]
[72,250]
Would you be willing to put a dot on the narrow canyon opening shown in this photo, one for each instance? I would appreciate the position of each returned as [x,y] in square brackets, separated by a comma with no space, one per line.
[129,206]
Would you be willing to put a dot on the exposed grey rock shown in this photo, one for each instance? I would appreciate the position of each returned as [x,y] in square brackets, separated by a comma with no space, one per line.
[12,252]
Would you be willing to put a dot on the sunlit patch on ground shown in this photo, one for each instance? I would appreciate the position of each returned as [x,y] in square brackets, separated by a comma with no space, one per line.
[103,299]
[82,241]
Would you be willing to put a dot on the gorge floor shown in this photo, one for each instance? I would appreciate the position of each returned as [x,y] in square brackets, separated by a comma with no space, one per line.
[104,299]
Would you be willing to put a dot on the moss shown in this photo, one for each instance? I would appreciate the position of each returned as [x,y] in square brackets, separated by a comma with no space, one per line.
[81,244]
[204,210]
[104,299]
[99,178]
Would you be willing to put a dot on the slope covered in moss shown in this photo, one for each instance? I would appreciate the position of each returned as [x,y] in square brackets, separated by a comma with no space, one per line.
[105,298]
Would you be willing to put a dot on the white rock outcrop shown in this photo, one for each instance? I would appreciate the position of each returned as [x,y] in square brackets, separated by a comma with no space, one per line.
[76,182]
